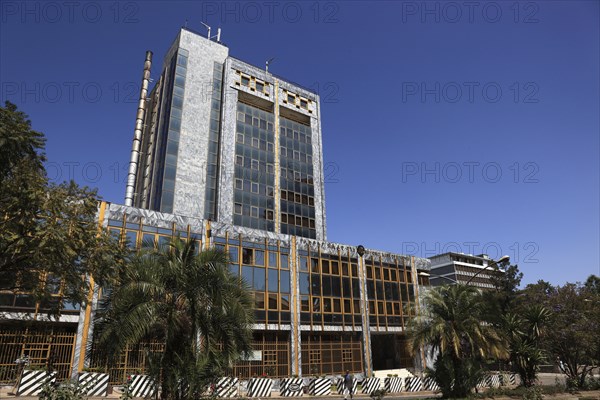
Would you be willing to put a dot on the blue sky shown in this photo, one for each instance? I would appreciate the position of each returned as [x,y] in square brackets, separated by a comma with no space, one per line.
[447,126]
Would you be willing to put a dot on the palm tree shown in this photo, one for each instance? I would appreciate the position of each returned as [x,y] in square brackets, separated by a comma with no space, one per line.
[524,334]
[454,326]
[188,301]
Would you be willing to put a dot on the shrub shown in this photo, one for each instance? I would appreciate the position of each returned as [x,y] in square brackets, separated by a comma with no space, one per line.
[65,391]
[533,393]
[378,394]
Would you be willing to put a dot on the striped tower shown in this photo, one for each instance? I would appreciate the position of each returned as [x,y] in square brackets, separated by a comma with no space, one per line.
[32,382]
[291,387]
[93,383]
[260,387]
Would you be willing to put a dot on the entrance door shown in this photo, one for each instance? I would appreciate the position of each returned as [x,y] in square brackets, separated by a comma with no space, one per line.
[390,351]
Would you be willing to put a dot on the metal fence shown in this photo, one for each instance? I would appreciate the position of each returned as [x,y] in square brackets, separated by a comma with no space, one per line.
[51,347]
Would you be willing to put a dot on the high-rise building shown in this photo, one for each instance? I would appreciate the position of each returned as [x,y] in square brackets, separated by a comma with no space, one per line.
[228,155]
[460,268]
[220,139]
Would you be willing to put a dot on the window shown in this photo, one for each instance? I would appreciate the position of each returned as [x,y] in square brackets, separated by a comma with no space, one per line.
[259,257]
[260,87]
[239,160]
[238,208]
[239,184]
[346,355]
[270,357]
[247,256]
[291,98]
[272,260]
[245,80]
[304,104]
[273,302]
[233,254]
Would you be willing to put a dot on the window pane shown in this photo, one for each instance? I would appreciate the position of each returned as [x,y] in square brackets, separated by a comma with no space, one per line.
[234,254]
[247,275]
[272,260]
[259,278]
[304,304]
[273,280]
[259,300]
[284,281]
[284,261]
[272,302]
[304,283]
[285,303]
[259,257]
[131,238]
[247,256]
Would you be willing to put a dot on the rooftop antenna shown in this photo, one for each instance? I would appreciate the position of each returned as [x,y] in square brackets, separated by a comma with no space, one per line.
[269,61]
[207,27]
[185,25]
[218,35]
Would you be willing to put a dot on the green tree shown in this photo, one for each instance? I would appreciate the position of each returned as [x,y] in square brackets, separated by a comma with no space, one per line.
[454,326]
[524,337]
[49,236]
[191,303]
[575,323]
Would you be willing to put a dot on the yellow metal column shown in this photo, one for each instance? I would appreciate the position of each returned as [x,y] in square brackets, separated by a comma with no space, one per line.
[295,304]
[415,280]
[365,316]
[207,235]
[88,304]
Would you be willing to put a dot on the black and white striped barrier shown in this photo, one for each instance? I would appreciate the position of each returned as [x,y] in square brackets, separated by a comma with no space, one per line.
[482,383]
[492,381]
[32,382]
[369,385]
[413,384]
[504,379]
[93,383]
[431,385]
[260,387]
[512,378]
[142,386]
[341,386]
[226,387]
[392,384]
[291,387]
[320,387]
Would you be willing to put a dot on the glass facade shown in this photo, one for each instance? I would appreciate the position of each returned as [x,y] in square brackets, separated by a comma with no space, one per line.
[329,289]
[297,182]
[390,293]
[212,164]
[254,176]
[170,130]
[266,272]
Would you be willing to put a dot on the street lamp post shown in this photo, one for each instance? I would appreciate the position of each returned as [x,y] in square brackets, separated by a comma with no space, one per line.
[501,260]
